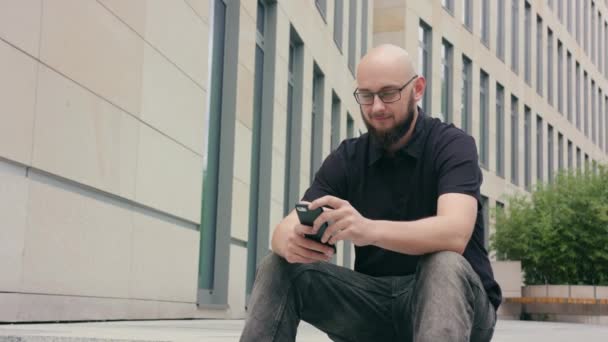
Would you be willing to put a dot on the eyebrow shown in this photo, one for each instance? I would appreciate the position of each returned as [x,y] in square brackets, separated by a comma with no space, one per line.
[383,88]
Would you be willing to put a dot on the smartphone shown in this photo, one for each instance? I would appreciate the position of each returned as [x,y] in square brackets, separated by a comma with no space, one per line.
[307,217]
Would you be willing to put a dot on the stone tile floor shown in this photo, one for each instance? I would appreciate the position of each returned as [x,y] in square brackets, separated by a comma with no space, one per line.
[229,330]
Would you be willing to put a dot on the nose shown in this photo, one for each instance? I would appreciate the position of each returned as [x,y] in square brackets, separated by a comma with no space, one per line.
[378,105]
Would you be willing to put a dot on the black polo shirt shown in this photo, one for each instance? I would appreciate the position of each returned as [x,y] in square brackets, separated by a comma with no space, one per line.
[439,159]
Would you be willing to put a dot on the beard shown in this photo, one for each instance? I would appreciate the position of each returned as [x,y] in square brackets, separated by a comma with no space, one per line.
[387,138]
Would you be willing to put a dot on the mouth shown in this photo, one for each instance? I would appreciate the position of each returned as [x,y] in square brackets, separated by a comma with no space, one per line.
[381,118]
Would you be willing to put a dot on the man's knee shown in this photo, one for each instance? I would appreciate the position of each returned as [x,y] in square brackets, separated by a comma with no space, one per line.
[271,264]
[443,264]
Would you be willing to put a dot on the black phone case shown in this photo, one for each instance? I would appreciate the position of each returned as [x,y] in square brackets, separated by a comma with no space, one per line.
[307,218]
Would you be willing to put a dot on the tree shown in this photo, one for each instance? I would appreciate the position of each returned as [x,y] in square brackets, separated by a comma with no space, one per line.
[559,232]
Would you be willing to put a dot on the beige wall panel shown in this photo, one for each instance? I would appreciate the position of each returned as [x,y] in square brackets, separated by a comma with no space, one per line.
[164,260]
[95,49]
[276,216]
[76,243]
[171,102]
[242,153]
[247,40]
[9,307]
[171,27]
[169,177]
[279,132]
[277,178]
[238,278]
[240,210]
[201,8]
[84,138]
[13,203]
[17,103]
[244,93]
[20,24]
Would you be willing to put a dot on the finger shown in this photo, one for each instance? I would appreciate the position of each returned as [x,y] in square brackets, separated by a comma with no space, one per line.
[334,215]
[301,229]
[328,215]
[343,234]
[331,201]
[297,259]
[314,246]
[309,254]
[334,228]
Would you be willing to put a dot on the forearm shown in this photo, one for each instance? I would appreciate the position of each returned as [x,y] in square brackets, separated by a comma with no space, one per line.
[432,234]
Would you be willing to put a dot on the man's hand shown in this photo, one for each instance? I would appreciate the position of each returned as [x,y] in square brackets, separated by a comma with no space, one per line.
[299,249]
[346,222]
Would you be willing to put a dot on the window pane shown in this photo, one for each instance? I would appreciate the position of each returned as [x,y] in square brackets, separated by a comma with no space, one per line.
[466,93]
[446,81]
[484,118]
[514,140]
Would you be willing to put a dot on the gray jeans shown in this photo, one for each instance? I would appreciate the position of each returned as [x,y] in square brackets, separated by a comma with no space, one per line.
[443,301]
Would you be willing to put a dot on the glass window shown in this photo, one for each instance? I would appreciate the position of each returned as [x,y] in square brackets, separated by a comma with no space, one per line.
[425,57]
[585,118]
[467,14]
[335,120]
[500,29]
[484,22]
[316,138]
[352,35]
[527,148]
[338,23]
[528,44]
[550,152]
[550,66]
[570,156]
[569,15]
[569,86]
[322,7]
[294,120]
[485,205]
[448,5]
[539,148]
[539,55]
[560,77]
[364,28]
[484,128]
[466,93]
[592,28]
[515,36]
[447,62]
[560,151]
[514,140]
[578,96]
[593,113]
[500,130]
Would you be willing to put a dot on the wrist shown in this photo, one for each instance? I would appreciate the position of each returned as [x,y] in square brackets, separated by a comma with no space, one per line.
[375,232]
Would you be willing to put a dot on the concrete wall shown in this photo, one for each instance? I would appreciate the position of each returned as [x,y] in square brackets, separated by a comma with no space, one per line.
[101,149]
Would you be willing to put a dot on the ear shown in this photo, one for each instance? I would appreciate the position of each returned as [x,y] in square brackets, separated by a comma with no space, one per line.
[419,86]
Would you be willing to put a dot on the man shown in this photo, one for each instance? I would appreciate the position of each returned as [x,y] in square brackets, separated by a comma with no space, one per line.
[407,195]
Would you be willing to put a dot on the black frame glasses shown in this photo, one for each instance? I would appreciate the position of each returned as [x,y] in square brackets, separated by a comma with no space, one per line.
[386,96]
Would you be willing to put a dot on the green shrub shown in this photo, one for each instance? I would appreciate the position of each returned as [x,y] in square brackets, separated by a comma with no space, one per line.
[559,232]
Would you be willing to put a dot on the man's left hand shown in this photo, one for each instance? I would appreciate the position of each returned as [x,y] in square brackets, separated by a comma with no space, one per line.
[346,223]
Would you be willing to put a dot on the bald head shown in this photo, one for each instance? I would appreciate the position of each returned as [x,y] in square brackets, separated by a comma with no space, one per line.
[384,63]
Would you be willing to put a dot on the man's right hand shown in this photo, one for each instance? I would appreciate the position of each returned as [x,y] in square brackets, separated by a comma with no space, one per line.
[299,249]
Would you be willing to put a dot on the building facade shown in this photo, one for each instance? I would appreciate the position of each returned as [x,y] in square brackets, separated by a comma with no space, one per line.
[148,148]
[527,79]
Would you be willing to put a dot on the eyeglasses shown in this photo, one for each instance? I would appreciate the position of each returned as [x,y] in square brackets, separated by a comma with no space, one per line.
[386,96]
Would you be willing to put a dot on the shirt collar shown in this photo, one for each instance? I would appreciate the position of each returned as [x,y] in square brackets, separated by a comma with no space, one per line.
[413,147]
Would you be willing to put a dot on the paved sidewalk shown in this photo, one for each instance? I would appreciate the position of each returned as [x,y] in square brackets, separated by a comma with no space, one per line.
[228,331]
